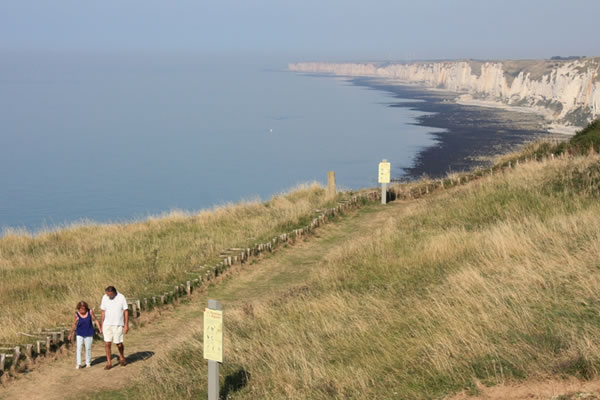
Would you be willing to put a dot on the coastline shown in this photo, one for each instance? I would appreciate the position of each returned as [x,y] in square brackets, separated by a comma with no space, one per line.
[469,134]
[468,100]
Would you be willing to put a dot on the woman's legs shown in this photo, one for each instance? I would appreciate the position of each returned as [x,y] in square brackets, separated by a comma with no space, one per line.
[88,350]
[79,345]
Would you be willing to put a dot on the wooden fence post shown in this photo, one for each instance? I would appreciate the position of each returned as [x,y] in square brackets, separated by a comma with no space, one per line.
[16,356]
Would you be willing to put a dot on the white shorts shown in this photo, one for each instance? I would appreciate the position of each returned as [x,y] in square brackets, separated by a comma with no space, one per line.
[113,333]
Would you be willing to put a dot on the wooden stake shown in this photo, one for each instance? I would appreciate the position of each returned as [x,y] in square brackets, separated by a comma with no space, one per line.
[331,189]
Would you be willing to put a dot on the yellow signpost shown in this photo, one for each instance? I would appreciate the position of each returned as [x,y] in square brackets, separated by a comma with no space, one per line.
[213,345]
[384,178]
[213,335]
[384,172]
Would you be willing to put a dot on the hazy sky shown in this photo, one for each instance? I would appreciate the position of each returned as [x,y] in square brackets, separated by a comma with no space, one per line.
[308,29]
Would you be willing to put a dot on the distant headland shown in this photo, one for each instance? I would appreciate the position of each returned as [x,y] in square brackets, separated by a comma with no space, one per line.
[565,90]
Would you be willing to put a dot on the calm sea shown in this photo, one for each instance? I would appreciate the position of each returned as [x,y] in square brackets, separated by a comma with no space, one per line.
[117,138]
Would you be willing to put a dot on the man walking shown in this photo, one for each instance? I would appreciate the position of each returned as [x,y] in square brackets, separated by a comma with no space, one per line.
[115,323]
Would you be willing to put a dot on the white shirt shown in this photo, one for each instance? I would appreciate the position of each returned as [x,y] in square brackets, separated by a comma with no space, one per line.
[113,309]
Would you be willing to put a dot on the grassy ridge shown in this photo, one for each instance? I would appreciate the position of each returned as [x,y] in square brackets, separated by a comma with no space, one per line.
[495,281]
[43,276]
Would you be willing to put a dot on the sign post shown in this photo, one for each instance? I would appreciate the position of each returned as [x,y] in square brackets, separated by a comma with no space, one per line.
[213,345]
[384,178]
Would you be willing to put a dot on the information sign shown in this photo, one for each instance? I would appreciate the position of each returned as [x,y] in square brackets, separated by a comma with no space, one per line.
[213,335]
[384,172]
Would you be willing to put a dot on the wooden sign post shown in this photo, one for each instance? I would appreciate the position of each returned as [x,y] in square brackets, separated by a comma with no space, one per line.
[213,345]
[384,178]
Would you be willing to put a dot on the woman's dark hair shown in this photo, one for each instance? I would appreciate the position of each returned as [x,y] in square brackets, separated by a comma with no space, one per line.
[111,289]
[83,304]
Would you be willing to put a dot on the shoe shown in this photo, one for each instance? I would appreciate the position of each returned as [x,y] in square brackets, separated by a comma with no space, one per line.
[77,366]
[108,366]
[88,365]
[123,363]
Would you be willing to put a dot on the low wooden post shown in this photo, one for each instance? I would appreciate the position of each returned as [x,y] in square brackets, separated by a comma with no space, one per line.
[331,189]
[64,335]
[16,356]
[48,344]
[188,288]
[133,310]
[29,351]
[38,348]
[2,362]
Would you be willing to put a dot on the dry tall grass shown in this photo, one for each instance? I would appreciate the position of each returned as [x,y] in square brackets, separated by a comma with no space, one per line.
[495,281]
[43,276]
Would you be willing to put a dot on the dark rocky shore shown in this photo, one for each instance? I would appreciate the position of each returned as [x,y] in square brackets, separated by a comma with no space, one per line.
[471,135]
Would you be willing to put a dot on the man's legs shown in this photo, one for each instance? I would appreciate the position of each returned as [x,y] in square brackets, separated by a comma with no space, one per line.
[107,346]
[121,353]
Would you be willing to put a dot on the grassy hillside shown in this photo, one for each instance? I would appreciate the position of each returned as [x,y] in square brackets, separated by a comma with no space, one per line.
[495,281]
[43,276]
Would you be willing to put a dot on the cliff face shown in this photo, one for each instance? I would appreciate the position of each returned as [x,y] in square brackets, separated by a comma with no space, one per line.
[567,92]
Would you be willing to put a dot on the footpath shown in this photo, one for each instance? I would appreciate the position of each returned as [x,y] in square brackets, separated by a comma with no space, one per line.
[158,331]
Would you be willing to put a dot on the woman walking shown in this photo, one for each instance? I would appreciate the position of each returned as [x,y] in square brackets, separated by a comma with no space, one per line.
[82,324]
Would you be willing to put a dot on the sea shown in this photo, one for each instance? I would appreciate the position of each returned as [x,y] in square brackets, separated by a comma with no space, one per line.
[104,138]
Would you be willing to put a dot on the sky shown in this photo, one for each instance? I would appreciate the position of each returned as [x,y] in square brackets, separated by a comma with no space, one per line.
[302,30]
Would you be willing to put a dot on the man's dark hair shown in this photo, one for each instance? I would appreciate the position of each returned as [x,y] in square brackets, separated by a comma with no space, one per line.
[111,289]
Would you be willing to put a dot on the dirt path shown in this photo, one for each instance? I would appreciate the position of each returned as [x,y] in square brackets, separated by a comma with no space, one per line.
[287,267]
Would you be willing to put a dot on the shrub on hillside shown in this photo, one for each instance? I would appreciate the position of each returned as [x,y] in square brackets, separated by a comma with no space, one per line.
[586,138]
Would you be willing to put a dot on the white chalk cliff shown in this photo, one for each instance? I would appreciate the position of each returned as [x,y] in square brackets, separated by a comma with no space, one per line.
[567,92]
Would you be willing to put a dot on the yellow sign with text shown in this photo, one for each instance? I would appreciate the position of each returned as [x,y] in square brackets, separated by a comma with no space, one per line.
[384,172]
[213,335]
